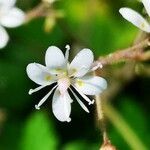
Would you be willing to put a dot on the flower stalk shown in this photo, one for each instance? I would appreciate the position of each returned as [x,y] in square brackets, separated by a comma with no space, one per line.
[43,9]
[134,53]
[101,118]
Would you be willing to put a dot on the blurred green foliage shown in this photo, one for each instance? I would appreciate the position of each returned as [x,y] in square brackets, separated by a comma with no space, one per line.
[39,133]
[93,24]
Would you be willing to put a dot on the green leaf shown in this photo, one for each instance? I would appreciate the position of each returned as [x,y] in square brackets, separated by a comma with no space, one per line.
[134,115]
[80,145]
[39,133]
[133,112]
[75,145]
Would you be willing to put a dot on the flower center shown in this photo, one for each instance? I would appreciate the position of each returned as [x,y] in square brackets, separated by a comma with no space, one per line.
[143,25]
[72,72]
[48,77]
[80,82]
[63,84]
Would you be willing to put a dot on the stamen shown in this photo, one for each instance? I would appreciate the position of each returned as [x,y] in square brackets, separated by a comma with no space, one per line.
[80,82]
[67,47]
[67,52]
[79,101]
[92,102]
[98,65]
[36,89]
[84,96]
[69,119]
[36,107]
[44,98]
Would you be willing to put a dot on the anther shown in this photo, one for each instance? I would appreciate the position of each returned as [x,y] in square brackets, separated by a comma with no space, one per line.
[91,102]
[37,107]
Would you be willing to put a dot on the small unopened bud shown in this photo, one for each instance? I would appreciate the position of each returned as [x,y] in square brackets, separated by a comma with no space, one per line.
[49,23]
[108,146]
[49,1]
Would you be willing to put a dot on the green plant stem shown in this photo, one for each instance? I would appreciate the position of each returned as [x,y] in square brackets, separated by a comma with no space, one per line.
[123,128]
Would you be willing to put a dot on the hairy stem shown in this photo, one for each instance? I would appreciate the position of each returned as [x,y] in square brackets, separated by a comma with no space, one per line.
[36,12]
[101,118]
[135,53]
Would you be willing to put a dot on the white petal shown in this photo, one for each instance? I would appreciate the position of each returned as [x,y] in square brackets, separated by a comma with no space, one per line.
[135,18]
[45,98]
[12,18]
[91,85]
[54,57]
[81,63]
[3,37]
[61,106]
[38,75]
[146,4]
[79,101]
[7,3]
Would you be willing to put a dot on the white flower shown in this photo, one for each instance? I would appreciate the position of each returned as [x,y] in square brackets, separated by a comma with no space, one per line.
[135,18]
[10,16]
[75,77]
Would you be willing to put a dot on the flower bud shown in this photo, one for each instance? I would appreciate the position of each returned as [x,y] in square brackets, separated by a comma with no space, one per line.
[108,146]
[49,23]
[49,1]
